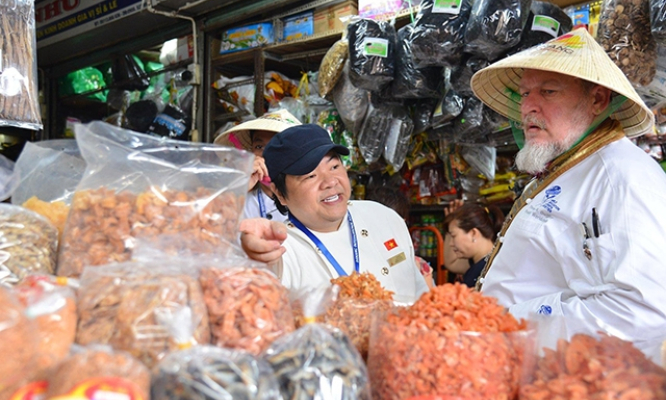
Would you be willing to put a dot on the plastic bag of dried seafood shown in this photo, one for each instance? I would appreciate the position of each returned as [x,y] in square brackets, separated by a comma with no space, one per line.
[140,186]
[361,296]
[410,80]
[18,344]
[94,372]
[495,26]
[398,137]
[29,244]
[248,307]
[546,21]
[318,361]
[588,367]
[453,341]
[439,30]
[135,306]
[352,103]
[331,66]
[371,53]
[48,173]
[207,372]
[51,305]
[462,74]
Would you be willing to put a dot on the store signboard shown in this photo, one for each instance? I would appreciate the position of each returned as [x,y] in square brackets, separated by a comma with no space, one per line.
[57,20]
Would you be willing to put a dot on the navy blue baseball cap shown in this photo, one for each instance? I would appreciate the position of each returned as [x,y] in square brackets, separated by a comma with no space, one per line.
[298,150]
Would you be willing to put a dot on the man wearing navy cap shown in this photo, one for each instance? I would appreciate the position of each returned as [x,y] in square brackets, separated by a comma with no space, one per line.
[327,235]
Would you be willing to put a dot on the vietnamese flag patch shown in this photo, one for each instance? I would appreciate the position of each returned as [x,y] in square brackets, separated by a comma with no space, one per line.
[390,244]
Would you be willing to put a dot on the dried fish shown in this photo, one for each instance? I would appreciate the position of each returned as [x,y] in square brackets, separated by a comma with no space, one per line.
[318,362]
[213,373]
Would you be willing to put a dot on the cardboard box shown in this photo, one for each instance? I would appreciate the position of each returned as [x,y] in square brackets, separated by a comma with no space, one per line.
[185,48]
[342,12]
[247,37]
[323,20]
[298,26]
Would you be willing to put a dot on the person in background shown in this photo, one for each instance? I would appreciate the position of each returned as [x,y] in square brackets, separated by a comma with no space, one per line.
[253,136]
[473,229]
[327,235]
[398,201]
[583,244]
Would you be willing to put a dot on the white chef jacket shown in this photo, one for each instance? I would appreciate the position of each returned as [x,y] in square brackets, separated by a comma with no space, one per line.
[542,268]
[251,209]
[385,250]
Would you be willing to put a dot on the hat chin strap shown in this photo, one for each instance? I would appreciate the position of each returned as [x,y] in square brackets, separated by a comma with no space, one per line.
[615,103]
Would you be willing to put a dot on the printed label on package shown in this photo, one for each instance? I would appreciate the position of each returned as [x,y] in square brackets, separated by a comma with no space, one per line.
[375,47]
[446,7]
[542,23]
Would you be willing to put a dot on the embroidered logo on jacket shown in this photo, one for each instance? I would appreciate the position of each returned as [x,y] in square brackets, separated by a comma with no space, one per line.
[390,244]
[549,202]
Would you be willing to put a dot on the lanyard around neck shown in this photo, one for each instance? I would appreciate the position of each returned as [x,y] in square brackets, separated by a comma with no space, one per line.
[262,205]
[298,224]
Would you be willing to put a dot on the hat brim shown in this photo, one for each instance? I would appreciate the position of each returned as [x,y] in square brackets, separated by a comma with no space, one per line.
[311,159]
[497,85]
[271,122]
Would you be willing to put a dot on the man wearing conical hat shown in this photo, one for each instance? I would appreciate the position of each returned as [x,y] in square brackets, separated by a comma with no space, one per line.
[583,245]
[253,136]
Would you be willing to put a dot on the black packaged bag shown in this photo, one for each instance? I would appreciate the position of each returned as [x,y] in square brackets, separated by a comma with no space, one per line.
[172,123]
[467,126]
[546,21]
[437,38]
[371,53]
[495,26]
[461,76]
[127,75]
[410,81]
[422,111]
[658,20]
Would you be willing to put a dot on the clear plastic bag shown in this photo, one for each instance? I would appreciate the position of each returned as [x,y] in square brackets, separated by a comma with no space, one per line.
[318,361]
[410,81]
[139,186]
[437,38]
[206,372]
[468,124]
[332,65]
[495,26]
[248,307]
[137,306]
[29,244]
[19,101]
[372,137]
[658,20]
[451,106]
[371,53]
[352,103]
[49,170]
[8,179]
[99,371]
[595,368]
[18,344]
[482,158]
[423,114]
[398,136]
[451,342]
[52,308]
[624,33]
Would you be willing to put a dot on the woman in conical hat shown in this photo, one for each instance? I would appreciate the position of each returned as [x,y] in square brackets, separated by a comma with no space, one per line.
[253,136]
[583,243]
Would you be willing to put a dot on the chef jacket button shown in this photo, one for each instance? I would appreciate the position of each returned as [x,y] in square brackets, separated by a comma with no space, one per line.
[289,224]
[269,216]
[501,239]
[364,233]
[481,280]
[528,201]
[385,271]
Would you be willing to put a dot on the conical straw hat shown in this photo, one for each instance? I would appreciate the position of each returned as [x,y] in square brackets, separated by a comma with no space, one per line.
[576,54]
[275,121]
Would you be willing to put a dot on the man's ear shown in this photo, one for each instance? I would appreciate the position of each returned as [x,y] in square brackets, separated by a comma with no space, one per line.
[277,194]
[601,98]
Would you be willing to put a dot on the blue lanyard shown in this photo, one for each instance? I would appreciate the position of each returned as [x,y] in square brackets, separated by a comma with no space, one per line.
[262,205]
[323,248]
